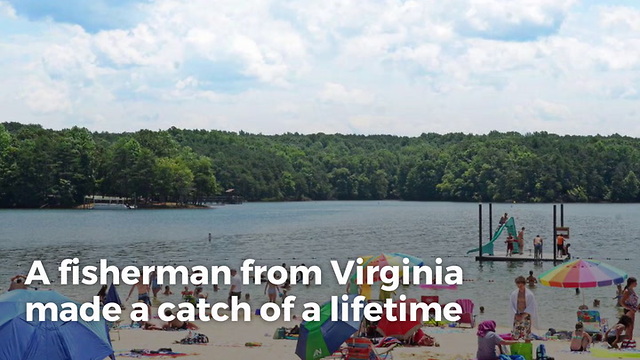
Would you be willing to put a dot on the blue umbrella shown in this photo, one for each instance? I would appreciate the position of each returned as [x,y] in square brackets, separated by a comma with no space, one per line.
[112,296]
[319,339]
[50,340]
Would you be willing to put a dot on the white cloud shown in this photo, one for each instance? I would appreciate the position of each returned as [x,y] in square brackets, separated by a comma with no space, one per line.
[622,20]
[46,97]
[6,10]
[338,93]
[271,66]
[371,124]
[513,20]
[549,111]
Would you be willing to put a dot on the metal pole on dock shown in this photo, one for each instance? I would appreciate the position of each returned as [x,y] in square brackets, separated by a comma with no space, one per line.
[562,215]
[554,235]
[480,233]
[490,221]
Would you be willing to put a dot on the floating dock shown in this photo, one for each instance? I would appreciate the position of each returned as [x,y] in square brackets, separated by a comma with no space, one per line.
[519,257]
[508,224]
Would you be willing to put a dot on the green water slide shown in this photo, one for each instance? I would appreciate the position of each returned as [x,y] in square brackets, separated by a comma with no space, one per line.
[510,226]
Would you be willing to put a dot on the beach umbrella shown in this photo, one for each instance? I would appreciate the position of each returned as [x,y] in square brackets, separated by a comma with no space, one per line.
[401,329]
[319,339]
[51,340]
[112,296]
[583,274]
[390,259]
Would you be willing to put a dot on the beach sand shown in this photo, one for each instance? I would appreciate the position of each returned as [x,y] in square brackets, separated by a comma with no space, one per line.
[227,341]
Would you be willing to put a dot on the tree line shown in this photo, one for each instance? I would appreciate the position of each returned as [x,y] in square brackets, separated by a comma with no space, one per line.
[40,166]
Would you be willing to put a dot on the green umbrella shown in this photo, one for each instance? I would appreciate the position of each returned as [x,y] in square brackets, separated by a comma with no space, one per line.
[319,339]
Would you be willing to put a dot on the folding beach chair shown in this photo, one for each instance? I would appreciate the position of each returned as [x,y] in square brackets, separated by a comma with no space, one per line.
[428,299]
[359,348]
[467,316]
[591,321]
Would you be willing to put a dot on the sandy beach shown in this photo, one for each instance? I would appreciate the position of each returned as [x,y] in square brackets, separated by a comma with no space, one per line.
[227,341]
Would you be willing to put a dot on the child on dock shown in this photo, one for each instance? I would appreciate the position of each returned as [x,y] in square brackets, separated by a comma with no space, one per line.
[509,243]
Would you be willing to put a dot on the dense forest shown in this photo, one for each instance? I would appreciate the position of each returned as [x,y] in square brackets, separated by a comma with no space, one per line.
[41,167]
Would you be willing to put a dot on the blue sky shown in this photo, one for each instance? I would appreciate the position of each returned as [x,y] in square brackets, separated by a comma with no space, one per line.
[347,66]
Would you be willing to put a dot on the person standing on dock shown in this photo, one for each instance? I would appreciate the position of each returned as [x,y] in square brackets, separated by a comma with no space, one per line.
[560,245]
[537,247]
[521,240]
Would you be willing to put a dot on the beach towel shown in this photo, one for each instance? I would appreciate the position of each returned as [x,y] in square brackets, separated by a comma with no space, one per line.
[599,352]
[433,331]
[194,338]
[130,327]
[140,353]
[388,341]
[136,355]
[531,309]
[434,323]
[511,357]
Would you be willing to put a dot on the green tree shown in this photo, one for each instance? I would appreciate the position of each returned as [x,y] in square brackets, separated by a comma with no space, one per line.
[630,188]
[174,179]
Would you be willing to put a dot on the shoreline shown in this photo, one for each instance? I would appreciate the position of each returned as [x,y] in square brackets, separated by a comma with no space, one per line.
[245,340]
[271,201]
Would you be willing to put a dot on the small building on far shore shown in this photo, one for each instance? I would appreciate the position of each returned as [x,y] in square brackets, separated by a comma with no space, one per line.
[101,202]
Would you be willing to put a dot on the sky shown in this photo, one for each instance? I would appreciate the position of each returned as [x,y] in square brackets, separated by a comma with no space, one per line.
[333,66]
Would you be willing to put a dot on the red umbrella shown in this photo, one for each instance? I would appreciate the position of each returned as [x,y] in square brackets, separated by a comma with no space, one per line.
[402,330]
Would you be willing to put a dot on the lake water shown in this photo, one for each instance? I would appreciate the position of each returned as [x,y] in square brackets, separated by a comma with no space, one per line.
[314,233]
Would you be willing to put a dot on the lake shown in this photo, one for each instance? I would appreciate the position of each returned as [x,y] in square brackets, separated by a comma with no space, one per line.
[314,233]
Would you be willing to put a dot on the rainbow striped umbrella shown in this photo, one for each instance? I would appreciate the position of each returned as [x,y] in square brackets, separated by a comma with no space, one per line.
[391,259]
[583,274]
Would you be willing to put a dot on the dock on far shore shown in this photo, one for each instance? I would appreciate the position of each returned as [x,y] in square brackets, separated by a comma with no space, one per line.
[527,256]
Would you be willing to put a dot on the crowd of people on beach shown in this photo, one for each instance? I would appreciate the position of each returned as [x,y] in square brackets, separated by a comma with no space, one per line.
[148,292]
[522,300]
[523,308]
[525,317]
